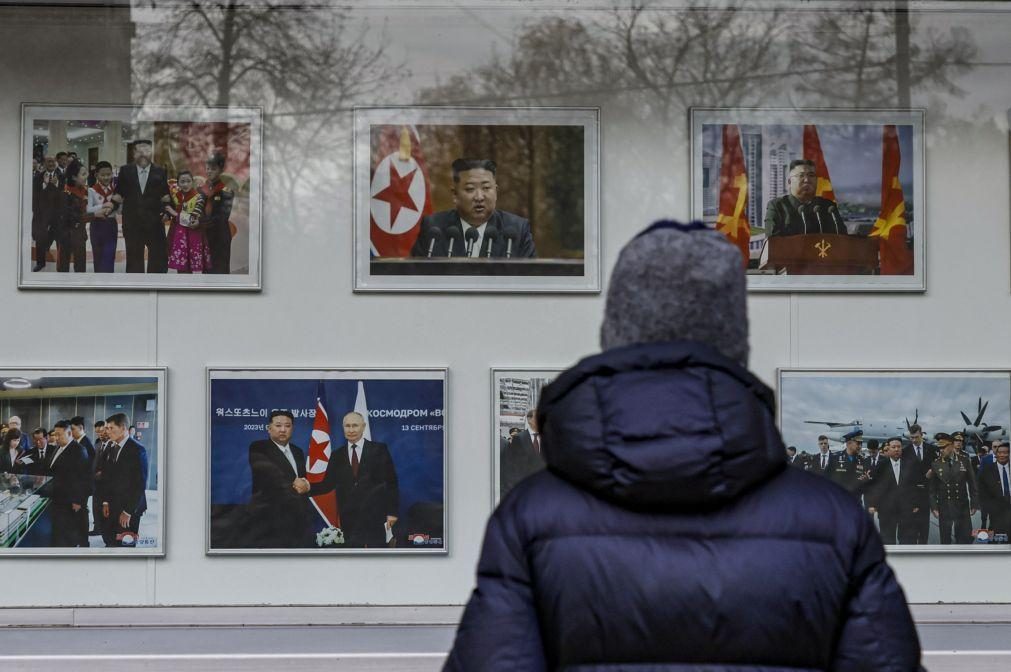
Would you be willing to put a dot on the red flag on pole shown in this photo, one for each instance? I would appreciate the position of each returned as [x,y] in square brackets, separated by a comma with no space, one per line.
[890,228]
[400,193]
[732,219]
[812,152]
[318,459]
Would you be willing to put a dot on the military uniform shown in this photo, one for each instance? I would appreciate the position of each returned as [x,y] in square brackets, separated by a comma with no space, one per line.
[953,495]
[850,472]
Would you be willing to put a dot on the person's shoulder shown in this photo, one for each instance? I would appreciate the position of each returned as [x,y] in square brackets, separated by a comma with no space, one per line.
[259,444]
[510,218]
[442,219]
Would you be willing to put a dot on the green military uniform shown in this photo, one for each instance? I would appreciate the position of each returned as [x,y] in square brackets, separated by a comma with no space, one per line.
[953,495]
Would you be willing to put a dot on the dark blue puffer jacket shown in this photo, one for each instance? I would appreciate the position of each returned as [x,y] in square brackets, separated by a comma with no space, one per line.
[668,534]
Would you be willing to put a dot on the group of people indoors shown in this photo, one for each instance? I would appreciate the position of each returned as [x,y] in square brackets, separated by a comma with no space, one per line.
[106,476]
[180,224]
[905,482]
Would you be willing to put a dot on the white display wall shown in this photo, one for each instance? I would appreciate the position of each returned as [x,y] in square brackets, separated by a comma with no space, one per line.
[308,316]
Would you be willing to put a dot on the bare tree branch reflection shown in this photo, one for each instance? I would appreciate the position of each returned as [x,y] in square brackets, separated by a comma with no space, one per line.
[288,60]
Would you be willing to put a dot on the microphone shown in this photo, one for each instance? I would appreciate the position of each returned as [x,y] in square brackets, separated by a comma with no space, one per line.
[454,234]
[803,217]
[434,234]
[512,235]
[817,217]
[472,236]
[839,225]
[491,234]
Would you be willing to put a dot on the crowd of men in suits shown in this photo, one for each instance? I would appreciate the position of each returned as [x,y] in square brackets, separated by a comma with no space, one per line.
[905,482]
[110,471]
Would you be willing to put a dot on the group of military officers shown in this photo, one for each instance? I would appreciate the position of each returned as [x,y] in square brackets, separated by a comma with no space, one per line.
[903,483]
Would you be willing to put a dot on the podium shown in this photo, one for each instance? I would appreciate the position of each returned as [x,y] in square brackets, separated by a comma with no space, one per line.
[820,254]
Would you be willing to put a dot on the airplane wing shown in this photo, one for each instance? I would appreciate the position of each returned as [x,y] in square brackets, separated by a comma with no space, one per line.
[831,424]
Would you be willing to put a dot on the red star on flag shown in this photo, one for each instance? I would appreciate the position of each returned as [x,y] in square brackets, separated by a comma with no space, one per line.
[397,194]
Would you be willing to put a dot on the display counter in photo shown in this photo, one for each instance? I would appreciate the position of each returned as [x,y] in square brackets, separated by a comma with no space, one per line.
[925,451]
[82,458]
[516,442]
[122,197]
[815,199]
[477,199]
[327,461]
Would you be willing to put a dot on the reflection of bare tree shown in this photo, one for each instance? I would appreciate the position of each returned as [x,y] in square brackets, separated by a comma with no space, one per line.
[657,63]
[859,58]
[303,66]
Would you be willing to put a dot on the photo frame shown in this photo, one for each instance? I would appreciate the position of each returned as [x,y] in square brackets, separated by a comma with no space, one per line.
[851,219]
[821,410]
[197,225]
[535,219]
[515,451]
[102,492]
[389,499]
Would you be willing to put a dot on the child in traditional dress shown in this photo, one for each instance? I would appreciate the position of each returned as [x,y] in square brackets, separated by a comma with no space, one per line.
[188,249]
[103,226]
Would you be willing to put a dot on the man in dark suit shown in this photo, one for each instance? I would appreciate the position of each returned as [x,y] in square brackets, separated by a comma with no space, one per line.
[824,461]
[893,494]
[924,454]
[521,457]
[218,199]
[140,188]
[995,490]
[97,469]
[47,207]
[68,489]
[77,432]
[279,508]
[123,483]
[801,211]
[40,454]
[474,228]
[362,474]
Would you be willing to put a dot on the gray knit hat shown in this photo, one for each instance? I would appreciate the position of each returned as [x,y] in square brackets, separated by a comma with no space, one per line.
[678,281]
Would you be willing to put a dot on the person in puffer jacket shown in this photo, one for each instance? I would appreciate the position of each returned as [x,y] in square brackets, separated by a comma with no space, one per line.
[667,532]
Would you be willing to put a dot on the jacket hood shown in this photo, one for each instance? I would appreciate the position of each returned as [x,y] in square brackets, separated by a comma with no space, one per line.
[661,425]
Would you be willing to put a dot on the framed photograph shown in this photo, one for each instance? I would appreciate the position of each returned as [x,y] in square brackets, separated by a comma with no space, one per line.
[477,199]
[817,200]
[515,437]
[327,461]
[82,462]
[152,197]
[922,449]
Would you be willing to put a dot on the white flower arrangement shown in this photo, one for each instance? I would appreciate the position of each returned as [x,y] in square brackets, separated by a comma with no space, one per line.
[329,536]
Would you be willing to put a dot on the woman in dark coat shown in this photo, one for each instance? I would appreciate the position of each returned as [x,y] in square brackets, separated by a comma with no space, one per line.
[667,532]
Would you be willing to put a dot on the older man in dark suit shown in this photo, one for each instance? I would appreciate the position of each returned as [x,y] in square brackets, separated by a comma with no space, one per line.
[279,508]
[995,489]
[141,186]
[365,480]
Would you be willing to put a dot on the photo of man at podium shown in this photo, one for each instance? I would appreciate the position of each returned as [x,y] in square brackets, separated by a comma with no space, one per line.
[800,211]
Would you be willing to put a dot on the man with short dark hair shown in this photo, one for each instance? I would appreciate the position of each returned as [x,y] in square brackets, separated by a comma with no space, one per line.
[801,211]
[68,489]
[824,461]
[124,480]
[953,492]
[995,489]
[849,470]
[923,455]
[77,432]
[98,466]
[474,227]
[140,189]
[40,452]
[47,208]
[279,507]
[522,456]
[218,199]
[892,494]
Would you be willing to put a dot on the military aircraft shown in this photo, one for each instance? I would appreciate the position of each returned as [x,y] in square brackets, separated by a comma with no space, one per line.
[976,432]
